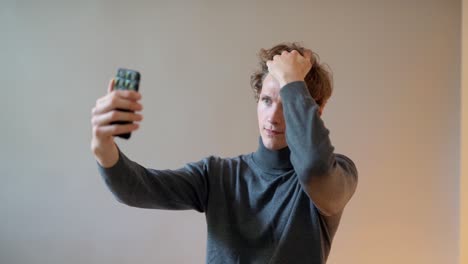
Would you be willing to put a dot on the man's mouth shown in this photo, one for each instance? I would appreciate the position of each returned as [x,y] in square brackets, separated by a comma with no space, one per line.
[271,132]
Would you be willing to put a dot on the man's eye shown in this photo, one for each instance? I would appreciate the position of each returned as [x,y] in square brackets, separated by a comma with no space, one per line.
[266,100]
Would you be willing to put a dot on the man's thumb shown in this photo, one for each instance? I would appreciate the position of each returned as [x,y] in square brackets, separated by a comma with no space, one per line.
[110,87]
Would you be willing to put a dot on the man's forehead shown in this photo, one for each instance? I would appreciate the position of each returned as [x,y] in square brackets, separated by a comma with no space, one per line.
[270,86]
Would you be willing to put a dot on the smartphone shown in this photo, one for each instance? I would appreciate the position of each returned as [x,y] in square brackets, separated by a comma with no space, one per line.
[126,79]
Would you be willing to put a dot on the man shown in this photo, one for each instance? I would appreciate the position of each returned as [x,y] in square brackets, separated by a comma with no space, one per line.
[280,204]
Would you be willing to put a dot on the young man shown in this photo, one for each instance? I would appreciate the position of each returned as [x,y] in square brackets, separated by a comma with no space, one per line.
[280,204]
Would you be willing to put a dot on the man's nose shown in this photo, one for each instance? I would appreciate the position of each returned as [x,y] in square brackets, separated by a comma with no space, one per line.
[275,115]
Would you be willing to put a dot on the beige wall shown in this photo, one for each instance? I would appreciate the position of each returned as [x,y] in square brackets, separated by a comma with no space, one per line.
[395,112]
[464,140]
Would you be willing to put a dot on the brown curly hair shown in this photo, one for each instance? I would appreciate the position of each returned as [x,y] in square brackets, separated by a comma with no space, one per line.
[318,79]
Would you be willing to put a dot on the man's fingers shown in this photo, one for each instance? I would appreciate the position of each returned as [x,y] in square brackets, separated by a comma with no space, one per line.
[129,94]
[113,130]
[106,112]
[115,102]
[115,115]
[308,54]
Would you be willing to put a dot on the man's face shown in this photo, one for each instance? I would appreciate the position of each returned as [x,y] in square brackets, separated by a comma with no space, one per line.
[270,115]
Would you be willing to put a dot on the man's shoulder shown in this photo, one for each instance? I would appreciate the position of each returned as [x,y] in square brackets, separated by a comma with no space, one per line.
[226,165]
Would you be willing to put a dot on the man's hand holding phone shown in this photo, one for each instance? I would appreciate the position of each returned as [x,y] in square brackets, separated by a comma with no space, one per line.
[114,114]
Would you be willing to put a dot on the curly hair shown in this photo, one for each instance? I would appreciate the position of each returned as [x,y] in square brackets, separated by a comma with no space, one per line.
[318,79]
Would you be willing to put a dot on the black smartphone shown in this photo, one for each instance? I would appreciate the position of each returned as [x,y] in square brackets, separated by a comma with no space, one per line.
[126,79]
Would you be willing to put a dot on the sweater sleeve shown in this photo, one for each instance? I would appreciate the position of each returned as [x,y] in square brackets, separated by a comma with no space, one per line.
[329,179]
[137,186]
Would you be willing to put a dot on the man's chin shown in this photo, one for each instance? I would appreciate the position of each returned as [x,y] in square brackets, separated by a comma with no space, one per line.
[272,144]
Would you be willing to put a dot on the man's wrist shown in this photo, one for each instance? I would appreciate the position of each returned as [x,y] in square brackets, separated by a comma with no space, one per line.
[283,82]
[107,154]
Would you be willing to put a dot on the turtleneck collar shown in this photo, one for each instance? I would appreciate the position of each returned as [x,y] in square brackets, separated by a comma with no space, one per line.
[269,159]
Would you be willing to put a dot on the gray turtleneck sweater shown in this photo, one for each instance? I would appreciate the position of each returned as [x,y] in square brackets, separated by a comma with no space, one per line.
[264,207]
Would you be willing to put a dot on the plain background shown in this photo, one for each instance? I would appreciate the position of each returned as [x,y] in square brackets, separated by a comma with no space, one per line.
[395,111]
[464,143]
